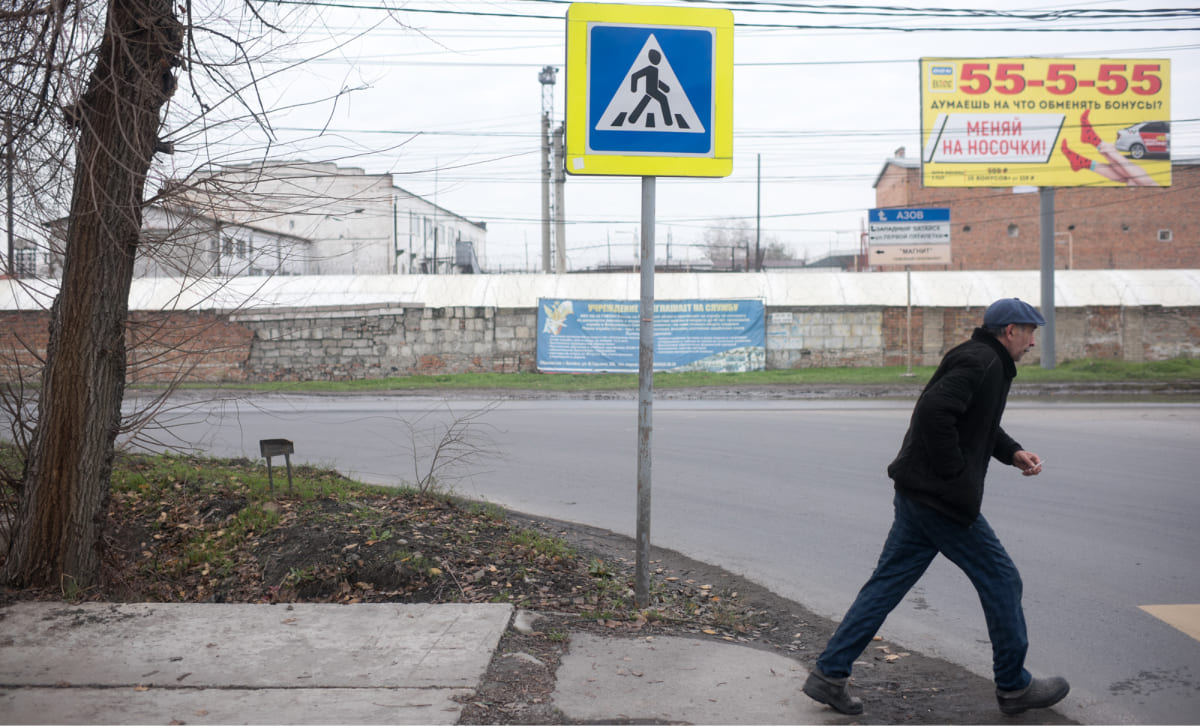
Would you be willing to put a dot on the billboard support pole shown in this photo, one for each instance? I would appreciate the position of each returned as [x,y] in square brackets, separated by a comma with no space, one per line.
[645,395]
[1046,219]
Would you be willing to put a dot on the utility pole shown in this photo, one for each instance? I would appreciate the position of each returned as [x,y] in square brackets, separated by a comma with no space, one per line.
[546,77]
[758,219]
[9,166]
[560,213]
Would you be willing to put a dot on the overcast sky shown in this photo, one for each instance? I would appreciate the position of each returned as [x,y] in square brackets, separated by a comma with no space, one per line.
[450,103]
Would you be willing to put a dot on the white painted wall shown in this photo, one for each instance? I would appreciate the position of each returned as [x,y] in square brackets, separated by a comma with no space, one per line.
[1073,288]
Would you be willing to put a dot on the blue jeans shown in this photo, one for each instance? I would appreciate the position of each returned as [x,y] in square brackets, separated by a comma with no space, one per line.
[918,534]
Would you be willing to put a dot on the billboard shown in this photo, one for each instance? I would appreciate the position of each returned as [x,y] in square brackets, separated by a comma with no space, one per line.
[1049,122]
[603,336]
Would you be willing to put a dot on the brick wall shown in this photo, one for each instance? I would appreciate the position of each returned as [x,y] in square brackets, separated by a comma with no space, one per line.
[201,346]
[23,339]
[359,342]
[1097,228]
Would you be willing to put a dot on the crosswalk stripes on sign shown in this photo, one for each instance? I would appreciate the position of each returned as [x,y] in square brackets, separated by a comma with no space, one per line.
[650,98]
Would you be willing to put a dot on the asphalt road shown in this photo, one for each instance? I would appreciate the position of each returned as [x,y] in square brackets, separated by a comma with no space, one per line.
[793,495]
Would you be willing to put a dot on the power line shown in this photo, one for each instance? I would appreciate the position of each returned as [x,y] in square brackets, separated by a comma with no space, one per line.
[1123,15]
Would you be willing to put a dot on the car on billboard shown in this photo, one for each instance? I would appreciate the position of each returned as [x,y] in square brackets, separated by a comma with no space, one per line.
[1148,137]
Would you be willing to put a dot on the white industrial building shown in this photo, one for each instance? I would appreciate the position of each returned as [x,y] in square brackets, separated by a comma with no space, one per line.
[179,242]
[300,218]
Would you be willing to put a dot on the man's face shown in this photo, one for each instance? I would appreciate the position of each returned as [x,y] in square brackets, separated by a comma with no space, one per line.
[1018,338]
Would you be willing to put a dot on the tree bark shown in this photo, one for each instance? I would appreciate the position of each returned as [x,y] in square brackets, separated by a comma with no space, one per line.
[66,484]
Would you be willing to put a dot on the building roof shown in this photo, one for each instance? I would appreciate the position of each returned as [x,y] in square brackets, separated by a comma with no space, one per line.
[901,161]
[285,168]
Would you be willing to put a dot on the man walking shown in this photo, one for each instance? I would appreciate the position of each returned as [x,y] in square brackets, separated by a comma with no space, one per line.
[939,476]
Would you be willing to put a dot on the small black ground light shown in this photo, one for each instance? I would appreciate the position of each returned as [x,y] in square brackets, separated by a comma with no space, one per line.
[277,447]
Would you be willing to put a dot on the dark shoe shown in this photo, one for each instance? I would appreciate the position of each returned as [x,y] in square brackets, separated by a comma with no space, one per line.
[832,692]
[1040,693]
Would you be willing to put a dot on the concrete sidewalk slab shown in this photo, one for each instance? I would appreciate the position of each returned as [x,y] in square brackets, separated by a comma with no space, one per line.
[674,679]
[122,705]
[142,662]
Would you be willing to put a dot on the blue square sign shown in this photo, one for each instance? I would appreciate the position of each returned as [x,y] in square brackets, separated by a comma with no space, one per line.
[650,89]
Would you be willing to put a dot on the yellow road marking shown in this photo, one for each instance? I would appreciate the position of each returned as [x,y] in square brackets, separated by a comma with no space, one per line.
[1183,617]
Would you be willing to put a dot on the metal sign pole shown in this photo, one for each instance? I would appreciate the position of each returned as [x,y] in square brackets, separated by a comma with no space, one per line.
[645,396]
[1046,220]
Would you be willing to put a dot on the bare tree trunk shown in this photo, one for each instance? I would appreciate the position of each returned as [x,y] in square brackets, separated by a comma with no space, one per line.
[66,484]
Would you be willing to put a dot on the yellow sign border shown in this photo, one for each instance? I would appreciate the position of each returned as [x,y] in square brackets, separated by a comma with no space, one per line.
[578,161]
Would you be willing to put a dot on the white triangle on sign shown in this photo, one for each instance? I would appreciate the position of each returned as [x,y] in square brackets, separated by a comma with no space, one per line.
[650,98]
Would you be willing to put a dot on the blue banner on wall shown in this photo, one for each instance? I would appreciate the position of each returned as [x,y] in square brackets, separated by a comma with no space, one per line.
[601,336]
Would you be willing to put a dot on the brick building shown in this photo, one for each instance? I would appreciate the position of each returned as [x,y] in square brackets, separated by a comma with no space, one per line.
[1098,228]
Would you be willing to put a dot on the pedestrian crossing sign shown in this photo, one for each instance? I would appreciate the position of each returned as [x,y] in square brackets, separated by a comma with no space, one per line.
[649,91]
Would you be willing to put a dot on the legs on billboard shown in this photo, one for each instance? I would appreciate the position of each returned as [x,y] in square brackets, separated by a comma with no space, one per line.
[1115,167]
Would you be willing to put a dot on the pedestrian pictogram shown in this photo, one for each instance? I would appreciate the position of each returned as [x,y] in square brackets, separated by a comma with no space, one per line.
[651,98]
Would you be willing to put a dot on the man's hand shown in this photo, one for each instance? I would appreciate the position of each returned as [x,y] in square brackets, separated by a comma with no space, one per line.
[1028,462]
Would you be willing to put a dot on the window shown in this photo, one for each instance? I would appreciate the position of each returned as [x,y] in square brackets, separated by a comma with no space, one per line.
[25,263]
[1014,230]
[1164,235]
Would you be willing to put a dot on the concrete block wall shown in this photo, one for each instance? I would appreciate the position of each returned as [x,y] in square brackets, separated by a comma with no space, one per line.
[824,337]
[347,343]
[376,341]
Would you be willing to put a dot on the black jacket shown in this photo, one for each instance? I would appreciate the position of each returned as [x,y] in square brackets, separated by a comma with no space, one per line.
[955,429]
